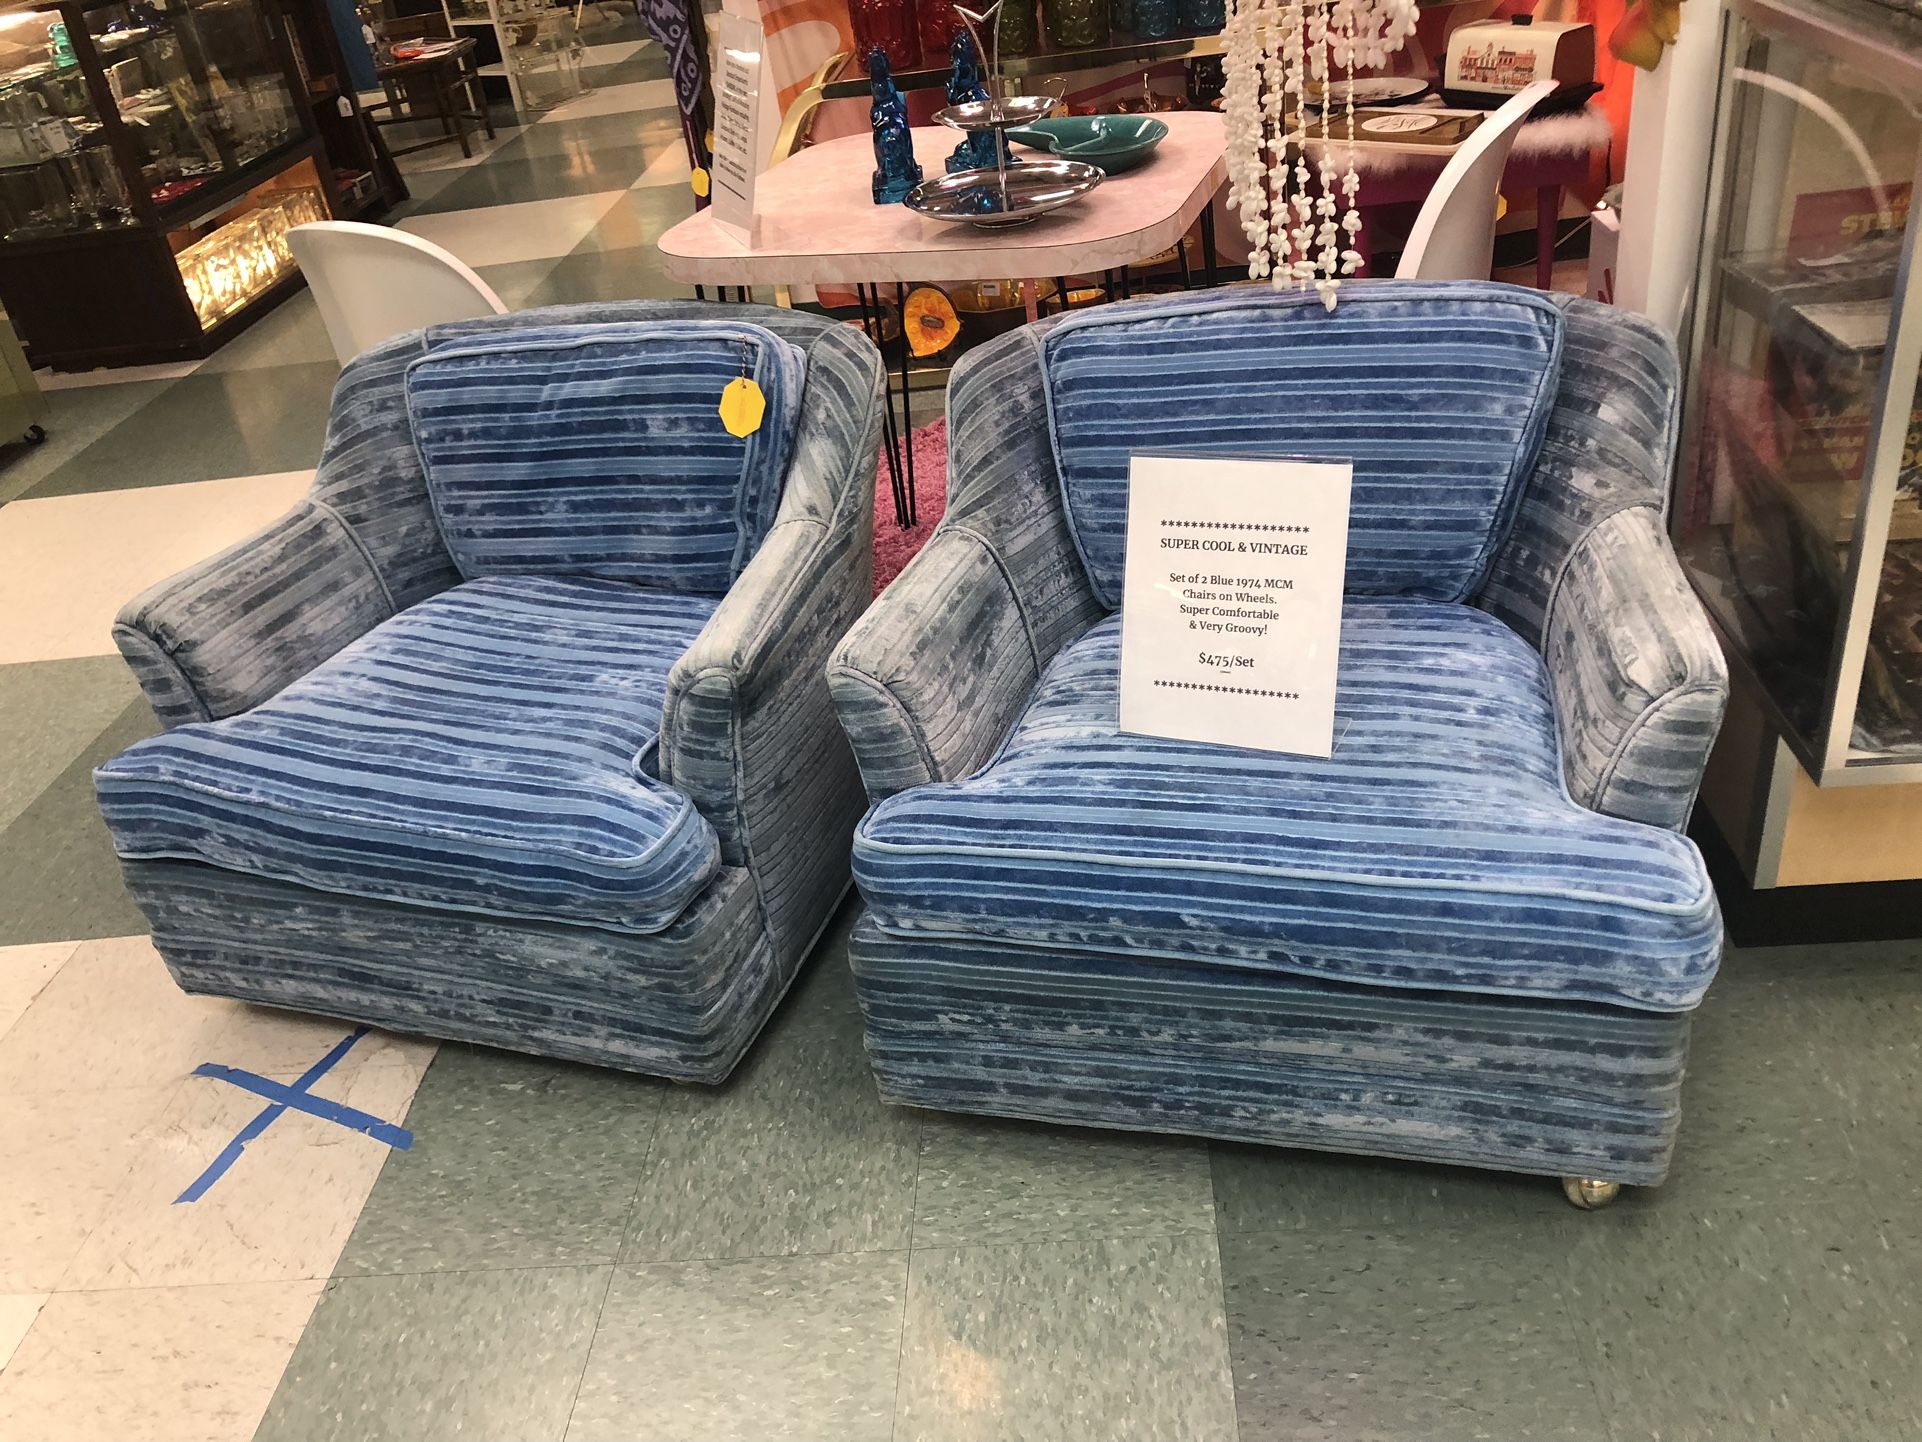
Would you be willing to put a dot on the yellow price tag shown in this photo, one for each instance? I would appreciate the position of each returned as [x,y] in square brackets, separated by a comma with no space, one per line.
[699,181]
[742,406]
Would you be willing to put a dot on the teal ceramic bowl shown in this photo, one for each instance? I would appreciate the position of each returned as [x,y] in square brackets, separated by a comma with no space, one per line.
[1112,143]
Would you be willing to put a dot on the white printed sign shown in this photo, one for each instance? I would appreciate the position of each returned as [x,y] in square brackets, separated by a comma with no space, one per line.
[1231,612]
[737,122]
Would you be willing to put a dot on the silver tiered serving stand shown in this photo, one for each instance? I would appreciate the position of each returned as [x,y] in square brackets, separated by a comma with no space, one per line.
[1001,194]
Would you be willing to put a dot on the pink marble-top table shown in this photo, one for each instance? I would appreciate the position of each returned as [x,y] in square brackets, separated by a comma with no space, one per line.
[819,225]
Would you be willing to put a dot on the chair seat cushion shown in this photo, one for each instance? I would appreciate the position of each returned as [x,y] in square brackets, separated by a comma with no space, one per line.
[1436,849]
[486,750]
[598,450]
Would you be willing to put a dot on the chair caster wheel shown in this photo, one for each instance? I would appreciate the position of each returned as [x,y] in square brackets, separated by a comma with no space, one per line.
[35,434]
[1589,1194]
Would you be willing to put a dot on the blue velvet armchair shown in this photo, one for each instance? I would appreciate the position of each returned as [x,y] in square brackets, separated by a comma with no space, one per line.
[1474,935]
[515,730]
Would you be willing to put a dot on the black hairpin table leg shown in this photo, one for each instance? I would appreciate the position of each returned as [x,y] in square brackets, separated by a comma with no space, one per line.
[1208,244]
[891,442]
[907,404]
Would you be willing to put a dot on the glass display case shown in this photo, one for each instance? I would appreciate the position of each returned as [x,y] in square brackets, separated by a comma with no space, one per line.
[530,51]
[150,153]
[1799,508]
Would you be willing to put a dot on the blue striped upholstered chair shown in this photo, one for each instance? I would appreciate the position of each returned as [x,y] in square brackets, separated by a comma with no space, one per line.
[1475,934]
[516,730]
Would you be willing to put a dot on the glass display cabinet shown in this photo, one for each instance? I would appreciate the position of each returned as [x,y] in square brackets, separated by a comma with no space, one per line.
[529,51]
[1799,506]
[153,154]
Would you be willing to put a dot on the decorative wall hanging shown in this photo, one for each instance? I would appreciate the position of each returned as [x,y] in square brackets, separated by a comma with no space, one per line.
[1293,186]
[674,24]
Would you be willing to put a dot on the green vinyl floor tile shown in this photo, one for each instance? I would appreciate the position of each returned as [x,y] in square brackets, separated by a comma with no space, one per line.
[1796,1324]
[650,128]
[1069,1341]
[440,1357]
[77,417]
[511,176]
[1773,1103]
[1440,1331]
[517,1161]
[588,277]
[983,1180]
[292,333]
[639,219]
[796,1153]
[518,283]
[800,1348]
[50,711]
[1262,1189]
[59,878]
[245,422]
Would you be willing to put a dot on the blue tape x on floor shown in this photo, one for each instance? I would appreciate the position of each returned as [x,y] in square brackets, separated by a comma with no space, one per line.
[284,1097]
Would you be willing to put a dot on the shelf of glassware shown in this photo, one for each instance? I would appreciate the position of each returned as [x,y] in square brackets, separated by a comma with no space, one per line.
[138,137]
[1798,502]
[530,51]
[1799,509]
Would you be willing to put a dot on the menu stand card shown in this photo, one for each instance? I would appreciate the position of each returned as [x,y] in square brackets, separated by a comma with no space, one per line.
[737,123]
[1231,609]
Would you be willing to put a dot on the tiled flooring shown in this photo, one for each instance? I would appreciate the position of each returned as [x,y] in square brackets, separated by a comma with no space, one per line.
[579,1254]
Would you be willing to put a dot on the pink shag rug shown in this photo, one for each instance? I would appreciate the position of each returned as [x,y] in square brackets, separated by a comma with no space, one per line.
[893,546]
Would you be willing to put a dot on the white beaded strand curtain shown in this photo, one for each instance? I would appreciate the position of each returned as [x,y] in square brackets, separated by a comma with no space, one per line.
[1301,224]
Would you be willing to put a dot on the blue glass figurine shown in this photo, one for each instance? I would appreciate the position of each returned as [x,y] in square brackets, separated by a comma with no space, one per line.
[964,88]
[896,171]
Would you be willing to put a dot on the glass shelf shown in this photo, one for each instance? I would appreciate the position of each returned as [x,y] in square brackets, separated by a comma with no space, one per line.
[58,172]
[197,88]
[1799,511]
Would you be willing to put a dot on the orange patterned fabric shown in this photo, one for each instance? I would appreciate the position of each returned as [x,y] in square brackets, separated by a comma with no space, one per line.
[801,35]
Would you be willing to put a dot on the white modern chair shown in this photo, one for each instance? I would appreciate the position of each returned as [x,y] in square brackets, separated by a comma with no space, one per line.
[1454,236]
[371,282]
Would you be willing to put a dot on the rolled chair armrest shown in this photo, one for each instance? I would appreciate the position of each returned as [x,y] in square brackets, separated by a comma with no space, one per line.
[748,729]
[1638,679]
[226,634]
[938,670]
[753,677]
[941,667]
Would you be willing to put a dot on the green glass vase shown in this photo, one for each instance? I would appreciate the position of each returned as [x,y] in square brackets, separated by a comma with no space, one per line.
[1014,27]
[1075,24]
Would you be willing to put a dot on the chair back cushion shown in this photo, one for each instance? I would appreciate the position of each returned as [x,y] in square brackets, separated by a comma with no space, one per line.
[598,450]
[1437,391]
